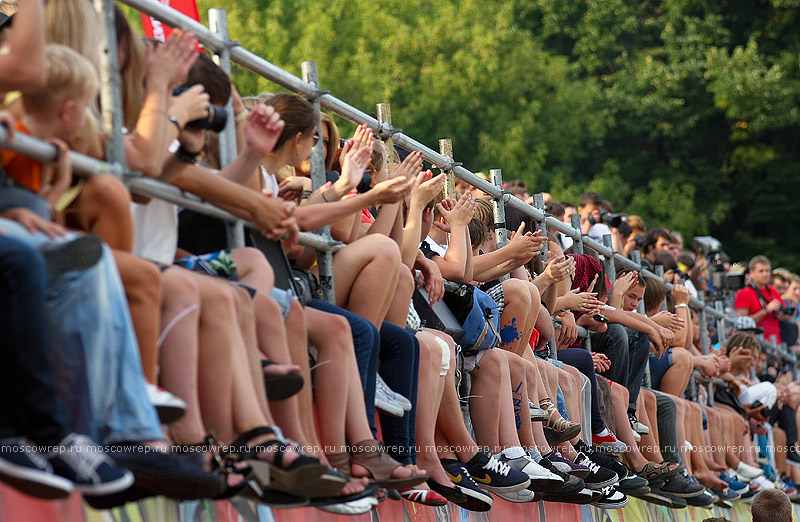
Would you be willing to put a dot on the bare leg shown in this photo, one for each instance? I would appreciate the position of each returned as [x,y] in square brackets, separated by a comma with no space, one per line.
[515,313]
[103,207]
[519,394]
[677,377]
[489,381]
[430,364]
[397,307]
[619,401]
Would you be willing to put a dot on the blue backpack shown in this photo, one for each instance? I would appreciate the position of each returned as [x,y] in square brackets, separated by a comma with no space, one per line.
[478,315]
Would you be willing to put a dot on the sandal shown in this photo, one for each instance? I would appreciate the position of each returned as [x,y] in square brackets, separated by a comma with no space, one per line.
[556,428]
[280,387]
[652,471]
[369,454]
[304,477]
[223,466]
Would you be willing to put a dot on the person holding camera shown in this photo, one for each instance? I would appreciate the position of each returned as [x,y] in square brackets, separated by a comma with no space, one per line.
[761,301]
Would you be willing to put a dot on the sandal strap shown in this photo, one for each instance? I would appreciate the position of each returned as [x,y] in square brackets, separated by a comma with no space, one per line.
[369,454]
[340,461]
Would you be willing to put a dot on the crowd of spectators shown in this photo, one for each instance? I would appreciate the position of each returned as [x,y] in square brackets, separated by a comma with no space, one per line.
[142,357]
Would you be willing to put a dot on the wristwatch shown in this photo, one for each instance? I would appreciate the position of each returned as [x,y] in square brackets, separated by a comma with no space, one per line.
[172,119]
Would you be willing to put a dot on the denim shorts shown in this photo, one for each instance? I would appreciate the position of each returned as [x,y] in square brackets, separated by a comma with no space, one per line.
[659,367]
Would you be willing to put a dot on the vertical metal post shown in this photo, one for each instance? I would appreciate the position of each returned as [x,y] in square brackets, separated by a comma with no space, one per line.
[110,95]
[384,112]
[660,273]
[703,324]
[317,160]
[721,333]
[636,257]
[446,150]
[538,202]
[577,245]
[611,270]
[498,205]
[218,22]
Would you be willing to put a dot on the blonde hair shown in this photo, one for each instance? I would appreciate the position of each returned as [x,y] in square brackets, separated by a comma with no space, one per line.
[75,23]
[70,76]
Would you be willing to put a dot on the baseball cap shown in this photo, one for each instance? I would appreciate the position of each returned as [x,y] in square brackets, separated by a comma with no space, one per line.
[744,322]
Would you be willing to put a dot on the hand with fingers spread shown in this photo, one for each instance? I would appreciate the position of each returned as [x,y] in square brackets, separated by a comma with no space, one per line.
[623,284]
[425,188]
[559,268]
[578,301]
[459,213]
[409,167]
[355,160]
[169,63]
[262,130]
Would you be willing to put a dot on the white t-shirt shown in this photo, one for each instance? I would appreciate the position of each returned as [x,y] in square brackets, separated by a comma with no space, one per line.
[436,248]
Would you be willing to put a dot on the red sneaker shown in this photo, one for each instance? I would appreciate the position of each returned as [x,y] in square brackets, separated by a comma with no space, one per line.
[609,443]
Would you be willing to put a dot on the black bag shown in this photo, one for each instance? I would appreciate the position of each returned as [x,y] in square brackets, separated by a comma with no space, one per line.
[727,397]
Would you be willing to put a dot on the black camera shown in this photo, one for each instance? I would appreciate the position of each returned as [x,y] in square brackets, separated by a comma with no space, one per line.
[600,318]
[640,241]
[787,310]
[216,117]
[612,220]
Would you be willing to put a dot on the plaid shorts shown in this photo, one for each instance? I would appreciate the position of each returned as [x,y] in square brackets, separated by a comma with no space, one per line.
[496,293]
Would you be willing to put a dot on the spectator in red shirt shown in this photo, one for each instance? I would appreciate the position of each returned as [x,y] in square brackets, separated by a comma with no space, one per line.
[765,310]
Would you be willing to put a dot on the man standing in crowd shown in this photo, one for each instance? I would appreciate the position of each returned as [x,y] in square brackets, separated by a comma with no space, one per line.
[760,300]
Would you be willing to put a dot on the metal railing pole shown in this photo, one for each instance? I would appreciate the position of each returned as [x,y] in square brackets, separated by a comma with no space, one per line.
[703,325]
[610,267]
[446,150]
[499,211]
[317,160]
[577,243]
[721,333]
[110,95]
[660,273]
[541,224]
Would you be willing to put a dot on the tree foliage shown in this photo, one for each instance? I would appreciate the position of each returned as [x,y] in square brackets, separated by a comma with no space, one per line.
[685,112]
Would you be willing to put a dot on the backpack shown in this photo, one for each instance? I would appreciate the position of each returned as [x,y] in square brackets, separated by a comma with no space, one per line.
[478,315]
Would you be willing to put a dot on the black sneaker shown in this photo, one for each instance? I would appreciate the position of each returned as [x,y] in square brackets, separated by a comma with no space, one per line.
[477,499]
[169,474]
[611,499]
[792,457]
[80,253]
[28,471]
[82,461]
[680,485]
[493,475]
[629,482]
[704,499]
[599,476]
[571,484]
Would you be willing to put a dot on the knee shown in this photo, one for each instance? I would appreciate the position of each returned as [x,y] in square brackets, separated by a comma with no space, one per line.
[249,258]
[142,280]
[109,193]
[491,366]
[405,283]
[516,293]
[682,358]
[382,247]
[179,288]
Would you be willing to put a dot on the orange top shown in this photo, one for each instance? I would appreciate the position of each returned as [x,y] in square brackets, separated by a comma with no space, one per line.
[22,169]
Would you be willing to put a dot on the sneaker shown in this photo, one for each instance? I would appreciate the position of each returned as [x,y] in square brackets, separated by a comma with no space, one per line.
[537,413]
[637,426]
[747,471]
[611,499]
[477,499]
[565,465]
[81,253]
[354,507]
[705,499]
[169,407]
[391,394]
[540,478]
[582,497]
[385,400]
[598,477]
[680,485]
[518,497]
[736,485]
[609,443]
[726,495]
[629,481]
[570,485]
[637,438]
[83,462]
[169,474]
[493,475]
[762,459]
[761,483]
[28,471]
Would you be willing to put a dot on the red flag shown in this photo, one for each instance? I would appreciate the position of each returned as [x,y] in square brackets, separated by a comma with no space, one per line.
[153,28]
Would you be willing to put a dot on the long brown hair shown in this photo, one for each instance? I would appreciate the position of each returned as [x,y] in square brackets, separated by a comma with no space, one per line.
[298,115]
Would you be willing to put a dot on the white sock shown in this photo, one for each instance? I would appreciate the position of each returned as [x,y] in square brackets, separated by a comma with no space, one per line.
[535,454]
[603,433]
[513,452]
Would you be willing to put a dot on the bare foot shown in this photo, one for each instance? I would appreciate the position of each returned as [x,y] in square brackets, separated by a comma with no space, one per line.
[710,480]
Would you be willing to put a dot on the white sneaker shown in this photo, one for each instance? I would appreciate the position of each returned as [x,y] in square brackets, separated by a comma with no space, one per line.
[636,437]
[518,497]
[747,471]
[761,483]
[354,507]
[385,401]
[539,475]
[638,427]
[393,395]
[169,407]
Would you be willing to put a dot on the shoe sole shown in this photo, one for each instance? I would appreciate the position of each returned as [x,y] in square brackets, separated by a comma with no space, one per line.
[497,490]
[107,488]
[611,505]
[596,486]
[385,408]
[36,484]
[792,463]
[169,414]
[281,387]
[304,481]
[575,498]
[477,501]
[81,253]
[556,437]
[680,495]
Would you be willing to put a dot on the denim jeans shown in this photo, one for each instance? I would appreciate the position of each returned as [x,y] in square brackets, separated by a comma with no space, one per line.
[100,377]
[614,344]
[366,342]
[638,358]
[400,370]
[28,404]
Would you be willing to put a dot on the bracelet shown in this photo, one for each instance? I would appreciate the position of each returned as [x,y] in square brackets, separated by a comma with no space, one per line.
[241,117]
[172,119]
[682,305]
[186,156]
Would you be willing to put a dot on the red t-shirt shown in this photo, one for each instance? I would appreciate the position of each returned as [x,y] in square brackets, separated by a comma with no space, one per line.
[747,298]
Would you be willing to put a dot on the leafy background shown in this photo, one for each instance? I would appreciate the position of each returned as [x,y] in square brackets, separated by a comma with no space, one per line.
[682,111]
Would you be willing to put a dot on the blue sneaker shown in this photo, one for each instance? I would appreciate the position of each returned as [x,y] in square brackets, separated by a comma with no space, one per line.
[738,487]
[83,462]
[477,499]
[27,470]
[493,475]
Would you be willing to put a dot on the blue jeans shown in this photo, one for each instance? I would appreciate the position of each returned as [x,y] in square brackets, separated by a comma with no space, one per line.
[367,344]
[97,361]
[28,404]
[638,358]
[400,370]
[614,344]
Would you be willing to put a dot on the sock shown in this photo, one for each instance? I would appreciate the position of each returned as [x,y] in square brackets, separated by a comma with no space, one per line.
[535,454]
[514,452]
